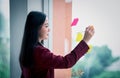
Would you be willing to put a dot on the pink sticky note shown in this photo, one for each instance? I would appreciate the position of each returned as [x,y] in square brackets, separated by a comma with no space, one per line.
[75,21]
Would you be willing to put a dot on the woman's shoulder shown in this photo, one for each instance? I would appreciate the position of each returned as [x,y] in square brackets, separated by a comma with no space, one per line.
[40,48]
[40,51]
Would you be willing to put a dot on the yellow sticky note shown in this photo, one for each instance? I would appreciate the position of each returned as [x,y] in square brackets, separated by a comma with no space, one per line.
[90,48]
[79,37]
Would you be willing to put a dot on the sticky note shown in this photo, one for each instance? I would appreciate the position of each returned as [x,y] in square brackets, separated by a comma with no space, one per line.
[90,48]
[79,37]
[75,21]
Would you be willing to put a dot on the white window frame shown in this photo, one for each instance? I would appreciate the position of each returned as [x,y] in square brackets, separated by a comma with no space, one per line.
[48,10]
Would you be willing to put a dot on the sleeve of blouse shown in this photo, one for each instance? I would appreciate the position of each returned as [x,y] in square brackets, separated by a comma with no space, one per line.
[46,59]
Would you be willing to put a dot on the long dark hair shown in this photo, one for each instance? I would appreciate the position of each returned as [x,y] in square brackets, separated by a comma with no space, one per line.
[34,22]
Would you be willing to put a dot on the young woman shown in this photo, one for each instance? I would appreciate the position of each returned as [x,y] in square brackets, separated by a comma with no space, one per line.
[36,61]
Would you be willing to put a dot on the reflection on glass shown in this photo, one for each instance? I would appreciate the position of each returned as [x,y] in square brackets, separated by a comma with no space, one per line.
[4,39]
[103,59]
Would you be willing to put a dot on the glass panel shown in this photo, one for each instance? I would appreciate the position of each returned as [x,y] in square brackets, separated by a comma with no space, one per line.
[4,39]
[103,58]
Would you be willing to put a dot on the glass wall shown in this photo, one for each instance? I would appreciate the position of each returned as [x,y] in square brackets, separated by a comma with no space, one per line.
[4,39]
[103,58]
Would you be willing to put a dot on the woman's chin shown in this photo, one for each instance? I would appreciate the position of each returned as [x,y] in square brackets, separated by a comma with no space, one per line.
[45,38]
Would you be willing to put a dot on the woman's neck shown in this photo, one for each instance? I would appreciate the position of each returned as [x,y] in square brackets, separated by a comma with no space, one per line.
[40,40]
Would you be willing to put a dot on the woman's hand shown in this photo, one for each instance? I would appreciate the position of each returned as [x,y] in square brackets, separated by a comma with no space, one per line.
[89,32]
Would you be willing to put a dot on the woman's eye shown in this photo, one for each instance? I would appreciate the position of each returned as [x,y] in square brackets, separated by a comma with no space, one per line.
[46,26]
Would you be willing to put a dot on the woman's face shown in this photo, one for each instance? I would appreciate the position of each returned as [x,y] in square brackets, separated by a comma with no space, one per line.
[44,31]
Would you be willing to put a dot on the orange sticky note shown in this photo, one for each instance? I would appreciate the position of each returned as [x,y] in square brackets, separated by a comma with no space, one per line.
[79,37]
[75,21]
